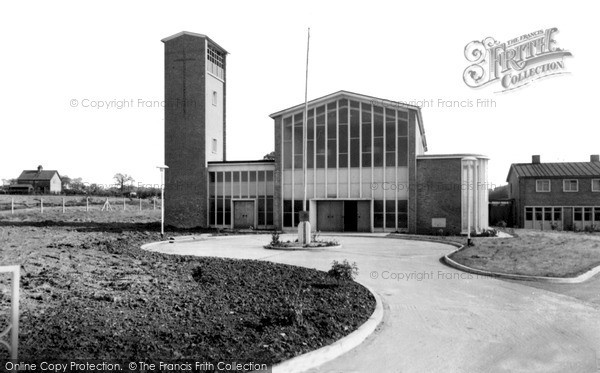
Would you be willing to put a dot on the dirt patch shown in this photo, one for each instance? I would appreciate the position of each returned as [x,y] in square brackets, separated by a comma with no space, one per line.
[88,291]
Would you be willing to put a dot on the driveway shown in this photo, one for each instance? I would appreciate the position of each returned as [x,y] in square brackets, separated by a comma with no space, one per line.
[438,319]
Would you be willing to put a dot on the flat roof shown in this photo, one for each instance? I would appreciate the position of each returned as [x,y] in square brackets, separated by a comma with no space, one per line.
[451,156]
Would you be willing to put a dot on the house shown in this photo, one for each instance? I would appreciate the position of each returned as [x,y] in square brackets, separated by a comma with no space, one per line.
[563,195]
[40,180]
[364,168]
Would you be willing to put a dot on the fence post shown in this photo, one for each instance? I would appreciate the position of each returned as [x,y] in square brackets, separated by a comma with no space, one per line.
[12,205]
[154,203]
[14,318]
[87,204]
[123,203]
[41,205]
[140,203]
[63,205]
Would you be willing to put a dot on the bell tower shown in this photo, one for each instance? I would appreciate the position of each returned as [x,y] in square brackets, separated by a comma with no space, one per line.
[195,74]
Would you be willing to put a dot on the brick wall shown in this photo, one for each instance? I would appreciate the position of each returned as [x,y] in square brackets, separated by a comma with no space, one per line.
[438,194]
[186,177]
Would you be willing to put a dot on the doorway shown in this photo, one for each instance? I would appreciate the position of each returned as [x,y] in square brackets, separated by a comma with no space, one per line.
[243,214]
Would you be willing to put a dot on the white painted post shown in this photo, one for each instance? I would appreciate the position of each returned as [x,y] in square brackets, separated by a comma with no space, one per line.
[140,203]
[123,203]
[12,205]
[154,203]
[63,205]
[14,317]
[87,204]
[41,205]
[162,199]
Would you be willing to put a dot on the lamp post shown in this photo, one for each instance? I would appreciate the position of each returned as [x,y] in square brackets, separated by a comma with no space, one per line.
[162,199]
[470,162]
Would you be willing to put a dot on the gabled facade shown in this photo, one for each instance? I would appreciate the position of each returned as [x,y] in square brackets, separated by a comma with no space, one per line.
[556,195]
[40,180]
[366,168]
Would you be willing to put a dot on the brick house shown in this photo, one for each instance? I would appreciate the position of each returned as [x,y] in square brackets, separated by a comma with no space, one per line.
[366,167]
[562,195]
[42,181]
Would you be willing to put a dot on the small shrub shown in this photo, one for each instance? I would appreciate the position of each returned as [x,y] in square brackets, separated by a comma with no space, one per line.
[502,224]
[343,271]
[490,232]
[590,228]
[554,226]
[275,238]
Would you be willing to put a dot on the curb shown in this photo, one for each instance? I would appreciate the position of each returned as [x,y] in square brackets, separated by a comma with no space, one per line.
[325,354]
[554,280]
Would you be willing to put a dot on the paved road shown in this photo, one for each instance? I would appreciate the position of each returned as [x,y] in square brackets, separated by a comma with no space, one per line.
[438,319]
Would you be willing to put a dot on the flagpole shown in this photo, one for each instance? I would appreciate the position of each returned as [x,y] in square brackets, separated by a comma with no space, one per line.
[304,124]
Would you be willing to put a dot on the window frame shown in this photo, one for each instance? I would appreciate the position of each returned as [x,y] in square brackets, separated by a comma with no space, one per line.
[540,190]
[214,98]
[569,180]
[214,145]
[592,186]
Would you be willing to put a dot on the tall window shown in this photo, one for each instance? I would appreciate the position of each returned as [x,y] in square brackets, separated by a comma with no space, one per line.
[390,137]
[542,186]
[354,134]
[288,157]
[214,98]
[214,146]
[298,123]
[402,138]
[310,139]
[571,185]
[596,185]
[343,133]
[332,135]
[378,129]
[320,137]
[366,135]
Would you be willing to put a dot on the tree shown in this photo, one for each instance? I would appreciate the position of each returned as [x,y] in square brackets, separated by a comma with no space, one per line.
[65,181]
[270,156]
[121,180]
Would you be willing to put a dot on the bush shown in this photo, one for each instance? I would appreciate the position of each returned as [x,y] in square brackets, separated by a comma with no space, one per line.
[343,271]
[490,232]
[502,224]
[275,238]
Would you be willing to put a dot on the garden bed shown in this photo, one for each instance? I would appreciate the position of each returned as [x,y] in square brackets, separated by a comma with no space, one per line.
[89,291]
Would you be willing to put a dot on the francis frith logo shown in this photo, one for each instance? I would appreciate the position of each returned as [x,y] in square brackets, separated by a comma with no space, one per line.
[516,62]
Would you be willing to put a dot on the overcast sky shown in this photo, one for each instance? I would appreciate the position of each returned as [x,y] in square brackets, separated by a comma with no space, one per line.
[56,52]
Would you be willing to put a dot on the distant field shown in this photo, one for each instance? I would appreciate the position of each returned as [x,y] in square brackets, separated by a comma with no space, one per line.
[95,202]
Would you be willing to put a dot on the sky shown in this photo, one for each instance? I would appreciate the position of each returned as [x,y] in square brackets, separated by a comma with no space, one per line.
[60,58]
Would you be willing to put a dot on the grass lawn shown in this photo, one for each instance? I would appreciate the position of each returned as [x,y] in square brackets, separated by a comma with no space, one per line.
[534,253]
[88,291]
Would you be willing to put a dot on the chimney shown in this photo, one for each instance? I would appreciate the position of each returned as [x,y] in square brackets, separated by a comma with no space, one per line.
[535,159]
[595,158]
[40,168]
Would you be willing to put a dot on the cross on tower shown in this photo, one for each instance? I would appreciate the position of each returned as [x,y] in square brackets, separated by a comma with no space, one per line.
[183,60]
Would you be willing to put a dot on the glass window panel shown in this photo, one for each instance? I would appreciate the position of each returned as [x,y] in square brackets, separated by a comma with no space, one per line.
[378,152]
[343,139]
[390,221]
[287,155]
[320,160]
[310,151]
[402,221]
[354,153]
[331,154]
[378,205]
[366,128]
[298,134]
[343,112]
[252,176]
[390,159]
[366,160]
[402,127]
[529,214]
[219,177]
[236,176]
[402,114]
[331,121]
[578,214]
[287,205]
[212,206]
[310,125]
[403,206]
[548,214]
[245,177]
[597,214]
[287,129]
[538,213]
[378,220]
[343,160]
[228,177]
[587,214]
[354,120]
[269,175]
[298,159]
[269,218]
[378,126]
[287,220]
[402,151]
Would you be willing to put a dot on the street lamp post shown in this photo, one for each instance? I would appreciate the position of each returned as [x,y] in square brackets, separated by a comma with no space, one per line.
[162,199]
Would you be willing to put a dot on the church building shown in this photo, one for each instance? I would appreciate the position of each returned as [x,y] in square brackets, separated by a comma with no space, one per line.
[366,164]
